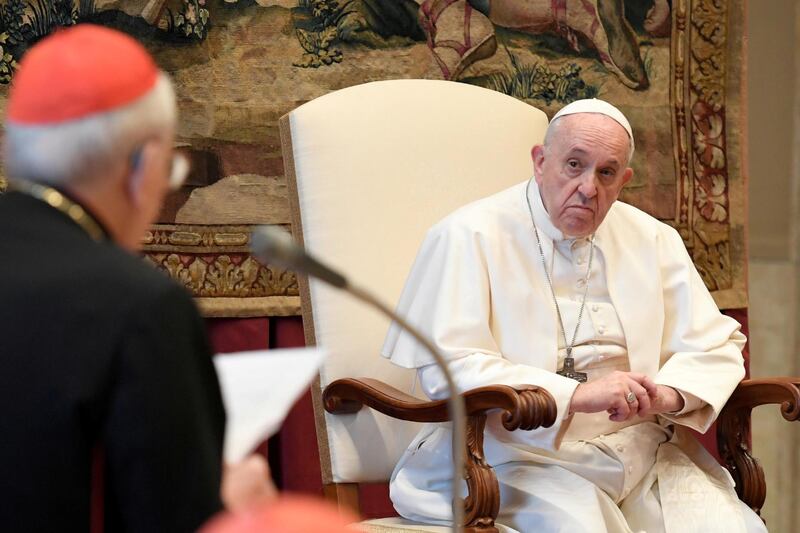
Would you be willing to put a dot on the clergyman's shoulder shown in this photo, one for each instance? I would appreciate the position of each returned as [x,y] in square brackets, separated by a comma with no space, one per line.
[129,278]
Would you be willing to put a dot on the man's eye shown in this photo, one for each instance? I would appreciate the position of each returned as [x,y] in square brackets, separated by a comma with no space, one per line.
[572,164]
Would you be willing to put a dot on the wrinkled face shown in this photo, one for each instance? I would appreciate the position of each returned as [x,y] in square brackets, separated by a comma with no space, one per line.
[581,170]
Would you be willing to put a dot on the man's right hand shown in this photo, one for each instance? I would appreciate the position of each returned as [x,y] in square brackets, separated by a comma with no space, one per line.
[611,394]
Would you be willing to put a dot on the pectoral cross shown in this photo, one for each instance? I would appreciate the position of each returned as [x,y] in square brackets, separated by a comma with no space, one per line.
[568,370]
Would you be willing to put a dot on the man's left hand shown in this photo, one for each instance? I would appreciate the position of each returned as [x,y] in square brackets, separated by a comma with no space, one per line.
[664,400]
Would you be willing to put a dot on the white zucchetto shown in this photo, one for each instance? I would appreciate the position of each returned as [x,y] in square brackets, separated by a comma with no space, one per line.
[595,105]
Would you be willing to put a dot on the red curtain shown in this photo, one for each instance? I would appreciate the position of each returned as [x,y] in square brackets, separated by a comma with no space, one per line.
[292,453]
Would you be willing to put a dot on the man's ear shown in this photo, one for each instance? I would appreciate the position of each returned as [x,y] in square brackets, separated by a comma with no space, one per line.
[140,167]
[627,175]
[537,154]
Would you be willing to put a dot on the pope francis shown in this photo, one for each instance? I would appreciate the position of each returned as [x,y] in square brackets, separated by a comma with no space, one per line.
[555,283]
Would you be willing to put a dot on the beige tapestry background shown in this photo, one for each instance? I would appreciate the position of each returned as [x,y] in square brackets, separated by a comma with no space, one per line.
[672,67]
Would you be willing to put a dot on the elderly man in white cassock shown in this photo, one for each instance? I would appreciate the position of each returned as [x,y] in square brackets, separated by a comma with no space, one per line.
[555,283]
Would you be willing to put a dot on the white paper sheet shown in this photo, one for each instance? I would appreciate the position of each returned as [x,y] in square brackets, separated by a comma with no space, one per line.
[258,389]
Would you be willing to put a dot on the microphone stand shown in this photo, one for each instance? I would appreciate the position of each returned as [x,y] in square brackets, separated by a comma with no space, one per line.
[276,247]
[455,402]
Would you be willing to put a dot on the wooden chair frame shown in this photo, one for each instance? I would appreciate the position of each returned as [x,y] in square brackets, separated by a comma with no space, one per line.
[533,407]
[733,431]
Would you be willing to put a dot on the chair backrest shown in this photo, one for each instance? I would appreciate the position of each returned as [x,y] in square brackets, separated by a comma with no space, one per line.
[370,169]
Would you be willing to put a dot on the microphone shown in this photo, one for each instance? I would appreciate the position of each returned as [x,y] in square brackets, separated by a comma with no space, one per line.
[275,246]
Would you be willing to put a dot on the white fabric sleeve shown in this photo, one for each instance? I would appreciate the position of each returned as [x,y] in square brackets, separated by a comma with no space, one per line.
[701,350]
[690,403]
[447,297]
[478,369]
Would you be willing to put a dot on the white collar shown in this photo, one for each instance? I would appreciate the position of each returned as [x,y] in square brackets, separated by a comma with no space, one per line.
[540,215]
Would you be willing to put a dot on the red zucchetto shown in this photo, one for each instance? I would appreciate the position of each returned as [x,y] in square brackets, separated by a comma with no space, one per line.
[77,72]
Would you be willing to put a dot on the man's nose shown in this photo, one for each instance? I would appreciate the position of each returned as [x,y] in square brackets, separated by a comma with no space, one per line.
[588,185]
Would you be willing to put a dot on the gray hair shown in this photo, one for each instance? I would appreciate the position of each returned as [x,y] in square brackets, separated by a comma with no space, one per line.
[553,127]
[80,150]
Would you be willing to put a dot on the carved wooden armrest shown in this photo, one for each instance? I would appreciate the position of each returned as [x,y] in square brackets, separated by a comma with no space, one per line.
[733,431]
[523,408]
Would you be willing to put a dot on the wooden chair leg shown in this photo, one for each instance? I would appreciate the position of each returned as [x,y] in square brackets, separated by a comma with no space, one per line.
[344,495]
[483,501]
[733,444]
[733,431]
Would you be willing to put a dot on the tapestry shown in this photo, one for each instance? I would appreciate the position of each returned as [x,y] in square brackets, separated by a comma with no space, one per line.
[672,66]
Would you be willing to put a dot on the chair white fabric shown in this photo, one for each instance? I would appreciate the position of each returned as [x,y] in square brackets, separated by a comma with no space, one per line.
[370,169]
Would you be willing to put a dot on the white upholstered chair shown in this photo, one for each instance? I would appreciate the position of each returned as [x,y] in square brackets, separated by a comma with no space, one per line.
[370,168]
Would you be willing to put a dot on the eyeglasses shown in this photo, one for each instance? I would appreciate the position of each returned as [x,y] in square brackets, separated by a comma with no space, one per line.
[179,169]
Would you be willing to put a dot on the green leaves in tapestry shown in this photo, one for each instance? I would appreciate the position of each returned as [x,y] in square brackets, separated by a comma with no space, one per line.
[323,18]
[538,81]
[317,47]
[191,21]
[322,25]
[23,23]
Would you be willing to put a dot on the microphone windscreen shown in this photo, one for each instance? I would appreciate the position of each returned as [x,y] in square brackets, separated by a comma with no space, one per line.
[275,246]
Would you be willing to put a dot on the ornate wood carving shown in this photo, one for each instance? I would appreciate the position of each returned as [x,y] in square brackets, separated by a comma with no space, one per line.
[483,493]
[348,395]
[533,410]
[733,436]
[524,408]
[733,431]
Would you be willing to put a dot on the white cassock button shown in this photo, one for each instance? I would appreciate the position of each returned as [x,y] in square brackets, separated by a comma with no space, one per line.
[581,260]
[620,448]
[630,470]
[601,330]
[580,283]
[595,307]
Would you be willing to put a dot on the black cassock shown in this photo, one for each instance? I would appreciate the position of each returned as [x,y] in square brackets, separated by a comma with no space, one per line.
[99,350]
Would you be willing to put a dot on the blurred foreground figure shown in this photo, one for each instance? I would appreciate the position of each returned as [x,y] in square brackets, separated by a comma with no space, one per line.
[105,363]
[289,514]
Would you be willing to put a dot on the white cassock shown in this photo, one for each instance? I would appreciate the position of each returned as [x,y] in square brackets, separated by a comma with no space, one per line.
[478,290]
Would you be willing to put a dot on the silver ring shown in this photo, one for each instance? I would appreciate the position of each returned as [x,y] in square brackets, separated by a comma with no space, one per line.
[631,397]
